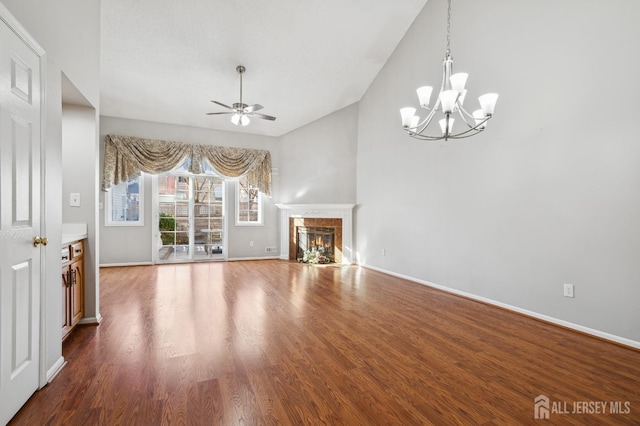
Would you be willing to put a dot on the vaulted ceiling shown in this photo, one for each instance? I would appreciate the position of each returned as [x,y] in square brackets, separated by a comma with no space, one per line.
[165,60]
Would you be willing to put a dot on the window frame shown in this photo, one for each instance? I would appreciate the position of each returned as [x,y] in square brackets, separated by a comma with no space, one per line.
[260,210]
[108,220]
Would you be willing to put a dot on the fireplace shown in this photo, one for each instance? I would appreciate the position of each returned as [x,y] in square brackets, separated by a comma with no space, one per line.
[316,238]
[327,232]
[326,224]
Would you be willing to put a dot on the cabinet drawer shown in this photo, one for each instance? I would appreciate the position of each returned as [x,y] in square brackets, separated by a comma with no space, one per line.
[65,255]
[77,250]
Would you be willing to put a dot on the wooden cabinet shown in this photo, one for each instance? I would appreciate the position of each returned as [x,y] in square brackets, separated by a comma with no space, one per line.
[72,286]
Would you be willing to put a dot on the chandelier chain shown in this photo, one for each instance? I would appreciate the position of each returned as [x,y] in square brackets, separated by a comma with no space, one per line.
[449,28]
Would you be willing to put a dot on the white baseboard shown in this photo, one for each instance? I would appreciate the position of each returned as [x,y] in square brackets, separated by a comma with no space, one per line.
[577,327]
[55,369]
[111,265]
[91,320]
[235,259]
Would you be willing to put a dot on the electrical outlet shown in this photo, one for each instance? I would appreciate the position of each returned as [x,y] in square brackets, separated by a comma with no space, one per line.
[74,199]
[384,252]
[250,243]
[568,290]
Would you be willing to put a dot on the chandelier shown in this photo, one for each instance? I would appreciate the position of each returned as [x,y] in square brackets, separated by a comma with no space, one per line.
[448,104]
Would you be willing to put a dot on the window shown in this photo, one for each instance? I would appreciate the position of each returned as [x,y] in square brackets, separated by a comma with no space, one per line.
[248,203]
[125,203]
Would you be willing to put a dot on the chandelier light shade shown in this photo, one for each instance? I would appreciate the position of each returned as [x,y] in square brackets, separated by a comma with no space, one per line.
[448,104]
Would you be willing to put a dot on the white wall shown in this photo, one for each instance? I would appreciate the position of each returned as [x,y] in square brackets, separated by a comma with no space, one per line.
[122,245]
[79,175]
[318,161]
[549,194]
[69,32]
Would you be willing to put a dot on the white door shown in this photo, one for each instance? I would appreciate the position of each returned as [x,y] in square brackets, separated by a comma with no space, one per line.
[19,221]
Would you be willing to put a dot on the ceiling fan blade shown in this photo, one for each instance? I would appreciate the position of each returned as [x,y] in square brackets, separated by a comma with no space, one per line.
[219,113]
[252,108]
[264,117]
[221,104]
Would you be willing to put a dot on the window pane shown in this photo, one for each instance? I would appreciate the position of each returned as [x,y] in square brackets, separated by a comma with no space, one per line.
[248,204]
[124,205]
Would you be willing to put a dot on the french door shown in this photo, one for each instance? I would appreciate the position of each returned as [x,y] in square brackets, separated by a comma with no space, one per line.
[190,222]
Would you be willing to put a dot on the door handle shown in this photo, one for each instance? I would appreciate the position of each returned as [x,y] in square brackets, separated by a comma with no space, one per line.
[37,241]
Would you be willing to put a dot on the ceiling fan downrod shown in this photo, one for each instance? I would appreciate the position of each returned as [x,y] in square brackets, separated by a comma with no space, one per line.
[240,69]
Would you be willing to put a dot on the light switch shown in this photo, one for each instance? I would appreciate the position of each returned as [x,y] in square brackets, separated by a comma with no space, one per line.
[74,199]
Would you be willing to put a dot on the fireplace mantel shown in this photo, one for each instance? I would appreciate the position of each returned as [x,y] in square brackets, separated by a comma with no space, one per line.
[338,211]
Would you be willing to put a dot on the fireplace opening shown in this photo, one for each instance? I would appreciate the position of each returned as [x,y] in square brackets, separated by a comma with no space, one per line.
[306,233]
[316,239]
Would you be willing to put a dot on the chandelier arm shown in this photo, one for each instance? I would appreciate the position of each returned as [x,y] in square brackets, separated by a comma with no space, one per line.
[462,135]
[470,132]
[425,123]
[466,113]
[461,112]
[425,137]
[466,134]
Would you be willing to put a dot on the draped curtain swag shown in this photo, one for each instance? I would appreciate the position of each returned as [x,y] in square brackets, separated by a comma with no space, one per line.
[125,157]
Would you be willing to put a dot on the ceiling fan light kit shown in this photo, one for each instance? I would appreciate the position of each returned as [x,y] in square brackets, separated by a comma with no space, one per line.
[450,101]
[240,112]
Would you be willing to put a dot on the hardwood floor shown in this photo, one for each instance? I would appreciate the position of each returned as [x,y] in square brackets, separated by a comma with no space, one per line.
[275,342]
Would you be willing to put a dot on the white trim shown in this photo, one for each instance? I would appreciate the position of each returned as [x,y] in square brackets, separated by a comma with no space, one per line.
[20,31]
[91,320]
[155,223]
[56,368]
[238,222]
[338,211]
[536,315]
[112,265]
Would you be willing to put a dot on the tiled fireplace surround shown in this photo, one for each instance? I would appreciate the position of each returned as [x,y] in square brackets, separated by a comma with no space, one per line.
[338,216]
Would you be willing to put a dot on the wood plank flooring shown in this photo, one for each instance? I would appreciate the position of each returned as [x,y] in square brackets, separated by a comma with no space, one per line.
[276,342]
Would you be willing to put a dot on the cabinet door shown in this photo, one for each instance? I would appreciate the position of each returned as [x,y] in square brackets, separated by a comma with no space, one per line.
[77,291]
[66,318]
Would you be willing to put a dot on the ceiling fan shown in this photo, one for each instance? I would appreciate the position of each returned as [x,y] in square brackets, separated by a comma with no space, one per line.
[240,111]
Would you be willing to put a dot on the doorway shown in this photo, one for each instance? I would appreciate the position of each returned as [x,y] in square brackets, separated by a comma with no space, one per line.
[189,218]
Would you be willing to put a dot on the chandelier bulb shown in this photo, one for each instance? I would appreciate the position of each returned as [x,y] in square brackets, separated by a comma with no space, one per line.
[446,125]
[406,114]
[458,81]
[448,100]
[480,119]
[414,122]
[424,95]
[488,103]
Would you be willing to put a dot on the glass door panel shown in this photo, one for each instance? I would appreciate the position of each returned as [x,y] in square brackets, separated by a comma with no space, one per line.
[191,217]
[208,218]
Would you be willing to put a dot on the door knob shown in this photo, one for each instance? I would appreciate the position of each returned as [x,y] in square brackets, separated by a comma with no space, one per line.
[37,241]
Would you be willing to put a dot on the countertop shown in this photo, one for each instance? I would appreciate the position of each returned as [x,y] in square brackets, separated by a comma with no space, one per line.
[73,232]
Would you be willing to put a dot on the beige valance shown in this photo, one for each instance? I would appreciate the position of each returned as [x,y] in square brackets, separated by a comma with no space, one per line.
[125,157]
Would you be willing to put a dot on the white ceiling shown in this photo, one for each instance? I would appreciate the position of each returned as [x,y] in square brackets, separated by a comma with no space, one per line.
[164,60]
